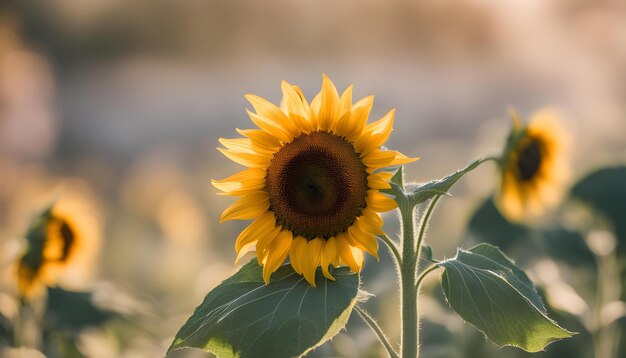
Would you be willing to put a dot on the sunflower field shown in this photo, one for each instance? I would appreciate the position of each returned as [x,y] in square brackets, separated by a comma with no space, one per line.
[276,179]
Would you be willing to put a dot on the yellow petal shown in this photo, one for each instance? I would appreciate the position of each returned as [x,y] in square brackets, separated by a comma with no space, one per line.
[329,105]
[311,259]
[295,253]
[379,202]
[270,112]
[28,281]
[328,256]
[402,159]
[249,180]
[381,129]
[372,216]
[346,100]
[248,174]
[304,124]
[270,126]
[358,118]
[298,108]
[247,207]
[277,253]
[316,103]
[251,160]
[370,224]
[258,228]
[345,253]
[243,145]
[264,242]
[296,103]
[363,240]
[261,140]
[379,181]
[509,201]
[378,159]
[342,125]
[358,257]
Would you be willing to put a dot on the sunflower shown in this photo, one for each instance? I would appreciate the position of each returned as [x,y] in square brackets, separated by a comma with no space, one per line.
[312,183]
[60,243]
[533,167]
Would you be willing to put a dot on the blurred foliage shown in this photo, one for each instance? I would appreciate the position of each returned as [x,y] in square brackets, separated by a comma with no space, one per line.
[568,247]
[6,331]
[605,192]
[488,225]
[73,311]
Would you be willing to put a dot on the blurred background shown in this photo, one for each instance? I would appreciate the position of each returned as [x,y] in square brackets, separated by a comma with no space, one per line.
[119,104]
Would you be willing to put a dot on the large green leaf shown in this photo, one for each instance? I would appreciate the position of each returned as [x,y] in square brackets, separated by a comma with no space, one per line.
[487,290]
[73,310]
[421,192]
[244,317]
[605,191]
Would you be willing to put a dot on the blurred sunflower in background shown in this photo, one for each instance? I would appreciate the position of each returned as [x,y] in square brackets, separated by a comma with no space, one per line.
[312,185]
[62,243]
[533,166]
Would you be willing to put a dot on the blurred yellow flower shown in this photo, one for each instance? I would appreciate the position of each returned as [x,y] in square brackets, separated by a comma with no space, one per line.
[63,241]
[311,185]
[533,167]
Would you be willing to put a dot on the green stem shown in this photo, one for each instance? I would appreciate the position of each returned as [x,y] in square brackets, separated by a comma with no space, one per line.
[392,247]
[410,329]
[490,158]
[423,275]
[424,222]
[408,269]
[607,290]
[376,328]
[18,324]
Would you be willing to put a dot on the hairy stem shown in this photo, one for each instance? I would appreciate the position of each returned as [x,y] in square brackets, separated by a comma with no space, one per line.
[392,247]
[376,328]
[424,224]
[408,266]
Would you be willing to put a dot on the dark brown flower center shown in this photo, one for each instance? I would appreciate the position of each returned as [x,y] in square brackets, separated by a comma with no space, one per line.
[317,185]
[67,236]
[529,160]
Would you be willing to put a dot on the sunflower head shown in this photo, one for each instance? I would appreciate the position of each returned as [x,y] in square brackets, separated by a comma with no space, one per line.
[58,242]
[312,183]
[533,167]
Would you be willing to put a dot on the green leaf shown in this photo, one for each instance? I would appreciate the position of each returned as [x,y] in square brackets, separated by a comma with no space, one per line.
[398,177]
[35,238]
[244,317]
[605,191]
[72,310]
[487,290]
[397,186]
[419,193]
